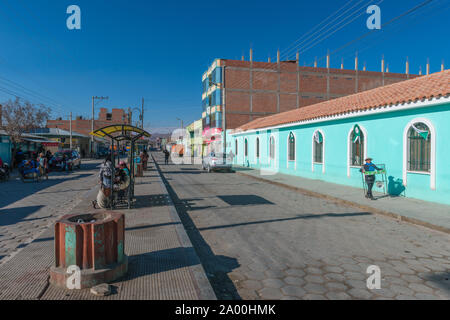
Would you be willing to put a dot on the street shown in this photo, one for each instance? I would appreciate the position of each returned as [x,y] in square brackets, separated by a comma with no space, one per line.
[259,241]
[256,240]
[27,209]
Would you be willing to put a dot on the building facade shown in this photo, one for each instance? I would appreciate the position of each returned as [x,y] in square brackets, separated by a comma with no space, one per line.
[80,142]
[84,126]
[403,126]
[251,89]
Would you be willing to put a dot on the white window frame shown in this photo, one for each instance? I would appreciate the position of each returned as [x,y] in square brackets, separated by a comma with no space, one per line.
[349,148]
[245,147]
[295,150]
[323,151]
[432,172]
[257,154]
[273,160]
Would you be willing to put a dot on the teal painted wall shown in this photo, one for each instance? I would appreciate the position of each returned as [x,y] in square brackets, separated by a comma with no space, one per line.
[5,149]
[384,143]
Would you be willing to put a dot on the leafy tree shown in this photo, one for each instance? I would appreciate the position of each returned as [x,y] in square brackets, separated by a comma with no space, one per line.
[19,117]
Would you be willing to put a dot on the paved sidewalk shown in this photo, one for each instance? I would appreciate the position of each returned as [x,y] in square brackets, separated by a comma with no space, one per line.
[427,214]
[162,262]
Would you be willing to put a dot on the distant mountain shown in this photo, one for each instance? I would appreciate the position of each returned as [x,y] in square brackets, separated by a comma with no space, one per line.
[156,135]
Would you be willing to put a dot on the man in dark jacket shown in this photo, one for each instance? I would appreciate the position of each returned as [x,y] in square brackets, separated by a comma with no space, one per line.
[166,156]
[369,169]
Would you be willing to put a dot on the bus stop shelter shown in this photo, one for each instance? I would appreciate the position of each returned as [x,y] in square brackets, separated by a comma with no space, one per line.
[122,133]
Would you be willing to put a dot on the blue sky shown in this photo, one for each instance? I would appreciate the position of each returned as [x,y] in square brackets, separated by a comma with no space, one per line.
[159,49]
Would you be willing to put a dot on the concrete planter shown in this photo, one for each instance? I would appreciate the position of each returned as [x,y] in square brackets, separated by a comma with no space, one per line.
[92,242]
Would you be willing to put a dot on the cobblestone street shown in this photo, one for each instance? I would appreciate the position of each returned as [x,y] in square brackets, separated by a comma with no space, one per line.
[260,241]
[28,209]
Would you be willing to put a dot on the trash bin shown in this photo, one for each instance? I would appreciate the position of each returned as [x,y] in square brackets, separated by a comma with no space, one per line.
[92,242]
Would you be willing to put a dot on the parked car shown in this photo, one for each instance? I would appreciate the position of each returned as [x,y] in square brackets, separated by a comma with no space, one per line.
[102,153]
[215,162]
[73,160]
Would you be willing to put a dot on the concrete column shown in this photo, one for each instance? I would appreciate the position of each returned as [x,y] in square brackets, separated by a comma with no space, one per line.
[328,75]
[279,80]
[356,73]
[297,57]
[251,84]
[407,68]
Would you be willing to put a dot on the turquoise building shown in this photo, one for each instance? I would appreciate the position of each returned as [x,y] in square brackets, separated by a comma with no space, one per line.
[404,126]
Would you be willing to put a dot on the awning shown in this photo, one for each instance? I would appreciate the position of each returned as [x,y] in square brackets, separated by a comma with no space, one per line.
[46,143]
[120,132]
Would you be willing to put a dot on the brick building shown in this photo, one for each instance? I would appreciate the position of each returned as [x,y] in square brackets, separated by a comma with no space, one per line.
[251,89]
[83,126]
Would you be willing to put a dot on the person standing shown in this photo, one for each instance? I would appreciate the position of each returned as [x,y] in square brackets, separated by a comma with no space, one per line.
[166,156]
[369,169]
[144,159]
[105,177]
[43,165]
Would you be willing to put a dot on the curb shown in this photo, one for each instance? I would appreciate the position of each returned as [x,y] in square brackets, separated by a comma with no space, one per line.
[348,203]
[204,287]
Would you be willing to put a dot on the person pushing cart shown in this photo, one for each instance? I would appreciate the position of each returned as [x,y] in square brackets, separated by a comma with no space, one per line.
[370,170]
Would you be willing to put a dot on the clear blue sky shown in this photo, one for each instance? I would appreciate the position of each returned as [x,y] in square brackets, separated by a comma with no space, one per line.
[159,49]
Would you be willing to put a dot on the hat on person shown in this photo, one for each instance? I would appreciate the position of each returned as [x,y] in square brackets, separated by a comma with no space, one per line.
[368,159]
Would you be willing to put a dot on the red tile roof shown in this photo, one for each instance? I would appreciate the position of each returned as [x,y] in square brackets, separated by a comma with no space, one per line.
[425,87]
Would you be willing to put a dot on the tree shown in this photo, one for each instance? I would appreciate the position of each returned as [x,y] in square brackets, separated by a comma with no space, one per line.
[20,117]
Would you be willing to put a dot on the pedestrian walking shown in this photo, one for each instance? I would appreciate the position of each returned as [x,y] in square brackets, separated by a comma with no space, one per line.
[369,169]
[43,165]
[166,156]
[144,159]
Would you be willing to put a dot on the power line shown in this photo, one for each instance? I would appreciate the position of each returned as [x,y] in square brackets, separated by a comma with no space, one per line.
[313,44]
[397,26]
[383,26]
[337,17]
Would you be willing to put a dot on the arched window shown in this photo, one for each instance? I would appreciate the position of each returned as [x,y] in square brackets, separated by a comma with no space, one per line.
[318,147]
[236,146]
[419,148]
[272,148]
[246,147]
[357,139]
[257,148]
[291,147]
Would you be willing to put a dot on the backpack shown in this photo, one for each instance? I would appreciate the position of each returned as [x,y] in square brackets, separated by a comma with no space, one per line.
[106,170]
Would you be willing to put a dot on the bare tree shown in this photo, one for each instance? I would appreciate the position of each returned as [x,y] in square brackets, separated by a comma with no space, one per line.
[20,117]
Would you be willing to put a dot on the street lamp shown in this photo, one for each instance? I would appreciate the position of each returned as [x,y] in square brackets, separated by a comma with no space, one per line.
[224,130]
[140,117]
[93,116]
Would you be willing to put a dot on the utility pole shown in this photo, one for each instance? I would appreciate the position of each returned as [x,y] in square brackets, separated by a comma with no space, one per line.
[142,114]
[224,121]
[92,121]
[70,125]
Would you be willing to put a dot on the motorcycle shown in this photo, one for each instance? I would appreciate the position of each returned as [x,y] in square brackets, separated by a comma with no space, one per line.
[4,172]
